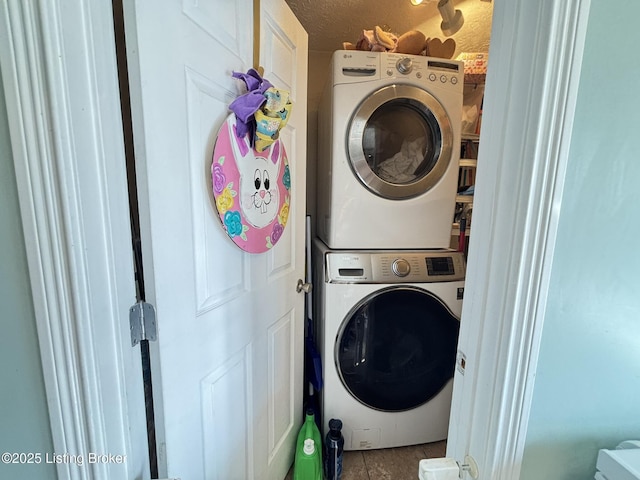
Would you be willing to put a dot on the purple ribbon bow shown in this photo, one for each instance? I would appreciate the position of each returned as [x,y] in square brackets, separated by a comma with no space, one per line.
[246,105]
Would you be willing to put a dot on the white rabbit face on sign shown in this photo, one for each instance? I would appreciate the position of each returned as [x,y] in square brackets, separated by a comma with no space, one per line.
[259,193]
[259,196]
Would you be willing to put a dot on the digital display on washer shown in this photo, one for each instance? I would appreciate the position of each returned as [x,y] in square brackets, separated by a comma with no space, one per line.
[440,266]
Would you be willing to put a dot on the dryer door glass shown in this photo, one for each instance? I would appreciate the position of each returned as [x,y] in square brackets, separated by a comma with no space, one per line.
[397,348]
[400,142]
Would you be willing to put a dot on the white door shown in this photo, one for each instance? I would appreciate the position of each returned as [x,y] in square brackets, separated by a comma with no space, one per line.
[227,365]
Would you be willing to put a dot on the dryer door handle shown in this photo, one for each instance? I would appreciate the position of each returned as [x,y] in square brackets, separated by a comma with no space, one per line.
[303,287]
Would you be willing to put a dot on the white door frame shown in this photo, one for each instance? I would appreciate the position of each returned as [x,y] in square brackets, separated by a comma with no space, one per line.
[59,74]
[534,68]
[60,81]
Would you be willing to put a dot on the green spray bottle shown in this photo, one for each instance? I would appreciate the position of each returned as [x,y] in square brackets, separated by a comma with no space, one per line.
[308,461]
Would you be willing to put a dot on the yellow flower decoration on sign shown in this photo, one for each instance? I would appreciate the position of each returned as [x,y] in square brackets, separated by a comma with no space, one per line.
[225,200]
[283,216]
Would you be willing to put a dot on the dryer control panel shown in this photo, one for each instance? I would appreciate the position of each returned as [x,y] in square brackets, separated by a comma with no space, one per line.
[394,267]
[354,66]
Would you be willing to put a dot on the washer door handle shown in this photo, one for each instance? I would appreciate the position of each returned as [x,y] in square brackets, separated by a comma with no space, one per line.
[302,286]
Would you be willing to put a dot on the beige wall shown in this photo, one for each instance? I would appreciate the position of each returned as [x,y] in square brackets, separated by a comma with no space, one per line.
[319,63]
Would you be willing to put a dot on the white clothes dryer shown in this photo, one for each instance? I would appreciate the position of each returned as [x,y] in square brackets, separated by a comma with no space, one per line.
[387,326]
[388,150]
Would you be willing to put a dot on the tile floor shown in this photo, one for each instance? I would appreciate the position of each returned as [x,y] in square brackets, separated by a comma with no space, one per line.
[387,464]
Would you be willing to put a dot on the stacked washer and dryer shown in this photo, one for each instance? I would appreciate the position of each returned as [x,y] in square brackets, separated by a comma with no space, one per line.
[388,290]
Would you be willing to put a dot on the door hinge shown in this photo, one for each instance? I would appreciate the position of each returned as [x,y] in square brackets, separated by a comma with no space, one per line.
[142,323]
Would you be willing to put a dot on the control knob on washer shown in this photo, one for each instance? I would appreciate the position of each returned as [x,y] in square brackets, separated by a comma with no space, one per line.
[401,267]
[404,65]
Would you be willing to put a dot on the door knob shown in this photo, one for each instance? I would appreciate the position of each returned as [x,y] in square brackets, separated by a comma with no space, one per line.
[303,287]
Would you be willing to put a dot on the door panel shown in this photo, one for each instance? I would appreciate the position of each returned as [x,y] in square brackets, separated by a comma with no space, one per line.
[229,457]
[204,96]
[227,366]
[283,46]
[282,402]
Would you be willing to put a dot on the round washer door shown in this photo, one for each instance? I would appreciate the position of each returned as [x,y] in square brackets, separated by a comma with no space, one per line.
[399,142]
[396,348]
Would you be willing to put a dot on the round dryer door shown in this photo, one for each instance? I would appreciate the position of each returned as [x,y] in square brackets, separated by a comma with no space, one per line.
[396,349]
[400,142]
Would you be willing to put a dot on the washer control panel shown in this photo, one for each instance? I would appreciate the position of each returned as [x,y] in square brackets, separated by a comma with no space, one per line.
[355,66]
[404,65]
[401,267]
[433,70]
[395,266]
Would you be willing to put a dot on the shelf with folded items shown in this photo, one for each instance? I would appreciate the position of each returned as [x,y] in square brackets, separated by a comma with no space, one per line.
[467,166]
[468,162]
[455,230]
[464,198]
[466,180]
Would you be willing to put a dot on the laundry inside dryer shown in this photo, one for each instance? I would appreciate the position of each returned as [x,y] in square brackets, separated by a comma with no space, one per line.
[401,141]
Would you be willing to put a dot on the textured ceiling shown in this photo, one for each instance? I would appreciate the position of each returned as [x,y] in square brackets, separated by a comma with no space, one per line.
[331,22]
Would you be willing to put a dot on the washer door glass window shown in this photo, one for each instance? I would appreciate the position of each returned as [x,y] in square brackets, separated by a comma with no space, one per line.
[400,142]
[396,349]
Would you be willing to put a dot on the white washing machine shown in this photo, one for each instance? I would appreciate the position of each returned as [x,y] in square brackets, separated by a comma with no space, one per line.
[387,326]
[388,150]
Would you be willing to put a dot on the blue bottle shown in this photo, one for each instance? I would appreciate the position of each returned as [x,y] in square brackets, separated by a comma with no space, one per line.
[333,448]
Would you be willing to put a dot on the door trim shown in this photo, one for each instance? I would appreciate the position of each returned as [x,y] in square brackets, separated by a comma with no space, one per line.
[59,76]
[532,83]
